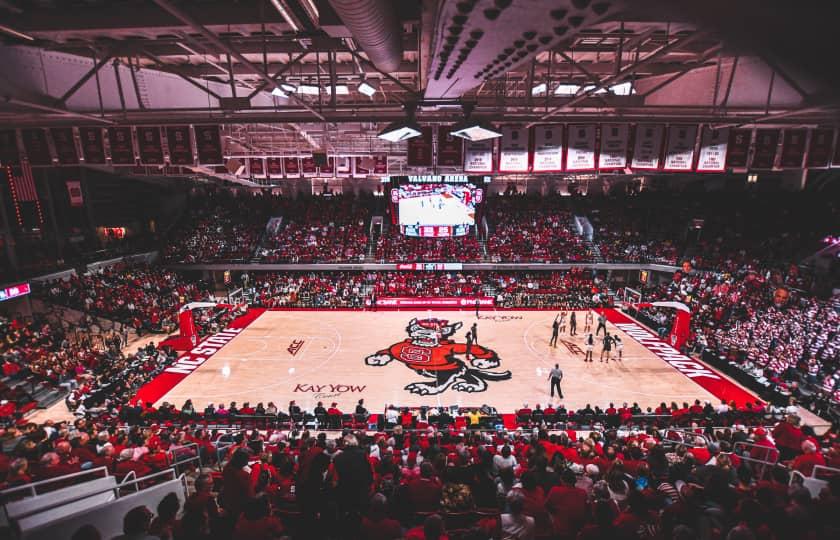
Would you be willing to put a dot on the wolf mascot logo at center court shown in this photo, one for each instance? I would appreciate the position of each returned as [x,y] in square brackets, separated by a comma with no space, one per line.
[430,352]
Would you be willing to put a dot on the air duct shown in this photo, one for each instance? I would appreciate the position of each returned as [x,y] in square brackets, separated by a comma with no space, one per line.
[375,27]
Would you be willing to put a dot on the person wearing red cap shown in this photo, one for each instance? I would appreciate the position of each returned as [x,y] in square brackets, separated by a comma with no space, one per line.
[764,448]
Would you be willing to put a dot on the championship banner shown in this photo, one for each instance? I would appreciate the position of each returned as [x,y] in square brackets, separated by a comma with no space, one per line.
[343,165]
[74,193]
[92,148]
[150,145]
[738,149]
[35,144]
[419,151]
[712,155]
[548,148]
[679,153]
[819,149]
[450,149]
[648,148]
[766,147]
[65,146]
[328,169]
[308,167]
[208,145]
[613,153]
[256,167]
[580,147]
[793,148]
[466,303]
[8,147]
[122,147]
[513,149]
[291,167]
[180,145]
[365,165]
[478,156]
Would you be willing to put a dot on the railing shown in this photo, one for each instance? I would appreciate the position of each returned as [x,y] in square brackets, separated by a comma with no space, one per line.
[817,479]
[182,455]
[115,489]
[33,487]
[760,466]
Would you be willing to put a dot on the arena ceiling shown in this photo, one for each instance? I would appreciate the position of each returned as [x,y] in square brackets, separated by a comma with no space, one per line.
[92,62]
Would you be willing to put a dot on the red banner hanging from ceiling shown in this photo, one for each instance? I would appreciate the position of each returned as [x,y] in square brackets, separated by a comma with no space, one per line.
[450,148]
[291,167]
[819,149]
[122,145]
[793,148]
[150,145]
[180,145]
[766,148]
[256,167]
[738,149]
[35,144]
[92,148]
[419,150]
[65,146]
[208,145]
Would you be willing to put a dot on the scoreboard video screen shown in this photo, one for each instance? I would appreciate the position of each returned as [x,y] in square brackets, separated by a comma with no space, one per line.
[437,210]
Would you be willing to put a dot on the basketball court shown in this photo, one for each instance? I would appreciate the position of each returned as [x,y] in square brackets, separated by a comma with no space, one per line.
[344,356]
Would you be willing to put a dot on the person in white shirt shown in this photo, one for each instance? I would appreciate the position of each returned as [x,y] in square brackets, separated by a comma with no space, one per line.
[391,415]
[722,408]
[515,525]
[504,460]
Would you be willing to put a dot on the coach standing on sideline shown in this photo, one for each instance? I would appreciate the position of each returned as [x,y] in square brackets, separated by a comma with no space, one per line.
[555,376]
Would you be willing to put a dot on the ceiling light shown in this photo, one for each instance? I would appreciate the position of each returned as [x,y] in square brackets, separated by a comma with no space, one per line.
[400,131]
[368,88]
[279,92]
[539,89]
[308,89]
[287,86]
[476,131]
[623,89]
[566,89]
[340,90]
[473,129]
[590,87]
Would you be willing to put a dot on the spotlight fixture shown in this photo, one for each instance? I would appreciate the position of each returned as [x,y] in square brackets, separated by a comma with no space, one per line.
[472,129]
[279,92]
[340,90]
[308,90]
[368,87]
[402,130]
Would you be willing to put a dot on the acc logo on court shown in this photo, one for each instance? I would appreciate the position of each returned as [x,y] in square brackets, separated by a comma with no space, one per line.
[429,352]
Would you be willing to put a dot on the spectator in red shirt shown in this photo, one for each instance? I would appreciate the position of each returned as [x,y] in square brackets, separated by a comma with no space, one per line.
[377,525]
[788,437]
[567,506]
[809,458]
[236,487]
[432,529]
[424,493]
[256,521]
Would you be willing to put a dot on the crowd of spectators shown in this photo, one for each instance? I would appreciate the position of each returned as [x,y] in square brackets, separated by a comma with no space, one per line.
[319,229]
[575,288]
[415,479]
[532,229]
[220,227]
[396,247]
[144,297]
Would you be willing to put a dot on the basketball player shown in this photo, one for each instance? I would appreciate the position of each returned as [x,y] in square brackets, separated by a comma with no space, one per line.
[606,346]
[555,376]
[469,339]
[590,344]
[477,305]
[474,330]
[587,322]
[619,345]
[562,322]
[602,324]
[572,324]
[555,330]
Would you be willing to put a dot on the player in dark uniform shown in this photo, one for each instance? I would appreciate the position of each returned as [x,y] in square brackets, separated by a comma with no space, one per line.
[474,332]
[572,324]
[555,330]
[607,346]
